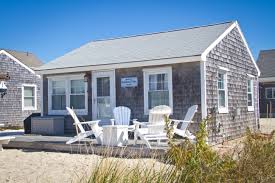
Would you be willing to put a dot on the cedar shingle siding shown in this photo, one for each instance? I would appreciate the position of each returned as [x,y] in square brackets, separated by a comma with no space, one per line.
[231,53]
[186,90]
[11,112]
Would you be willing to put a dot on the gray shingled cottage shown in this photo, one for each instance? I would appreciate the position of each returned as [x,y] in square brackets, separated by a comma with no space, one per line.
[266,63]
[211,66]
[23,86]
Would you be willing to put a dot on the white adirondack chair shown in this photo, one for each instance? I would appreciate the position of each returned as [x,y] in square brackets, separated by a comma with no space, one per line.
[81,132]
[183,130]
[122,116]
[154,128]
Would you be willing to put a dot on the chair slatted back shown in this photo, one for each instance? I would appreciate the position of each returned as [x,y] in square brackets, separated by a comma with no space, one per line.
[189,116]
[76,120]
[157,118]
[156,115]
[122,115]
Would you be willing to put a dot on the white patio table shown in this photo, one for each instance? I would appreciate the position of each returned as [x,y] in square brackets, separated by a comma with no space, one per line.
[115,135]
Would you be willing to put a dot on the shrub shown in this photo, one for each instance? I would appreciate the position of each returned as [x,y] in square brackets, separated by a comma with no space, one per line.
[197,162]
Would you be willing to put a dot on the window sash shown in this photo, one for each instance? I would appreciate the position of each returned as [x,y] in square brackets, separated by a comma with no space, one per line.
[158,92]
[272,94]
[29,97]
[67,91]
[250,93]
[158,87]
[222,91]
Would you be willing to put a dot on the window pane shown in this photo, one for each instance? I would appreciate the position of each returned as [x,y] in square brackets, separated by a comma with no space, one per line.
[249,99]
[249,82]
[58,87]
[104,109]
[58,102]
[28,102]
[77,86]
[220,81]
[273,90]
[158,82]
[221,98]
[103,86]
[268,92]
[156,98]
[77,101]
[28,91]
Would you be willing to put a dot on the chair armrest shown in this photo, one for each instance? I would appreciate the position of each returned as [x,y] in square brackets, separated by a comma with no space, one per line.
[90,122]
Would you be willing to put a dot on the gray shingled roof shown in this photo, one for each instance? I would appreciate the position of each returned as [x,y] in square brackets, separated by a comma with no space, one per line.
[27,58]
[266,63]
[171,44]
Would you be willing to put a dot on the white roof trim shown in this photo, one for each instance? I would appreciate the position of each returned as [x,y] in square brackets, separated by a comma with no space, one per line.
[227,31]
[250,75]
[157,62]
[16,60]
[235,24]
[248,49]
[223,68]
[268,79]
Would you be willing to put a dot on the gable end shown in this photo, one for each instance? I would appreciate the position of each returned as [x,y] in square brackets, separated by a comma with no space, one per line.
[222,36]
[16,60]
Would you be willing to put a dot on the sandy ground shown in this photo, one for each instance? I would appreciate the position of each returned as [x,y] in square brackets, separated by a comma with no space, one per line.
[267,125]
[26,166]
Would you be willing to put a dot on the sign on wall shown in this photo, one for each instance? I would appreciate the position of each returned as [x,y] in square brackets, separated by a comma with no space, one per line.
[129,82]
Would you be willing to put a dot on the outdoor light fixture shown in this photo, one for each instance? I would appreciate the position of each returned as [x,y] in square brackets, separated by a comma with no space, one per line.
[3,87]
[86,77]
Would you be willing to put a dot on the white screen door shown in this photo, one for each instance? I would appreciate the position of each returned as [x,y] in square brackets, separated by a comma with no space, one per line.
[103,88]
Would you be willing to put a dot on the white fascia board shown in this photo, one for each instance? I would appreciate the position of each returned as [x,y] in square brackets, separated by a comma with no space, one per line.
[157,62]
[16,60]
[269,79]
[248,49]
[226,32]
[209,48]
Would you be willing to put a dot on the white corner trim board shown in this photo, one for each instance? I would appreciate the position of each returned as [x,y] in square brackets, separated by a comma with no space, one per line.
[16,60]
[226,32]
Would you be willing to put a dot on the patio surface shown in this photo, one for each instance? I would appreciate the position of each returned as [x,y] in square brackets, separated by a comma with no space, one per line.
[88,146]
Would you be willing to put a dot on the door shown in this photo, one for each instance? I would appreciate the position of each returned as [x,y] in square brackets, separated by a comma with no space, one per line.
[103,89]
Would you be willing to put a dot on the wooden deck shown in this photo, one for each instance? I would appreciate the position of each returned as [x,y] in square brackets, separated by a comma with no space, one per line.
[89,146]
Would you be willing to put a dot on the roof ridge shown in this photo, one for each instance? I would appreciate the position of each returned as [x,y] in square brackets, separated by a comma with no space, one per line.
[16,50]
[152,33]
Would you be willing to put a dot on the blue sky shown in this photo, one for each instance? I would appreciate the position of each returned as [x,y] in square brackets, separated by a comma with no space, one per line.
[50,28]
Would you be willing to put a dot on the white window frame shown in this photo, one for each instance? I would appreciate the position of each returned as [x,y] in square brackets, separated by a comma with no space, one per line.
[223,71]
[272,89]
[67,79]
[158,70]
[250,108]
[35,97]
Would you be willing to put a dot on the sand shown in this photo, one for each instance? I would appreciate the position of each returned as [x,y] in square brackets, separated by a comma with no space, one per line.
[27,166]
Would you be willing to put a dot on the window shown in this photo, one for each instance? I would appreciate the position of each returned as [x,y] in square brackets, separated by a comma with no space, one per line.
[67,91]
[58,95]
[250,100]
[29,97]
[270,93]
[222,92]
[77,96]
[157,88]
